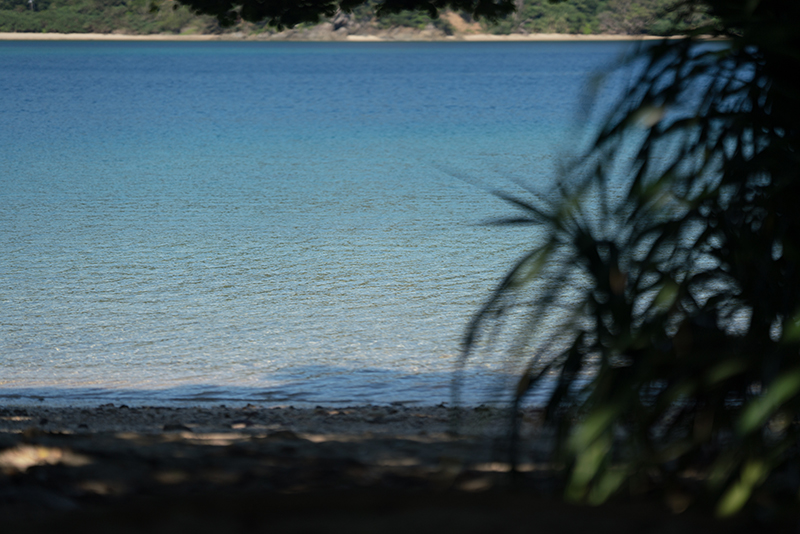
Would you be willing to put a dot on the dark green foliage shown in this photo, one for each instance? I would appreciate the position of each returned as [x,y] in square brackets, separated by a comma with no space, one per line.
[545,17]
[411,19]
[663,299]
[169,16]
[504,16]
[101,16]
[288,13]
[628,17]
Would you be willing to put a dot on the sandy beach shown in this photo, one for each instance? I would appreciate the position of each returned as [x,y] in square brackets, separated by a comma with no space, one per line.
[256,469]
[352,38]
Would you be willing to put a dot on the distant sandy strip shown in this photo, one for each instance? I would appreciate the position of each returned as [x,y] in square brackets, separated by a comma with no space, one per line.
[352,38]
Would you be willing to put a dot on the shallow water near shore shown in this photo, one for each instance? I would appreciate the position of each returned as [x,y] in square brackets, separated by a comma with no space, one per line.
[266,222]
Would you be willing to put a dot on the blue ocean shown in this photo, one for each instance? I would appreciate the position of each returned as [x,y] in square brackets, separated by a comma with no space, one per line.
[276,223]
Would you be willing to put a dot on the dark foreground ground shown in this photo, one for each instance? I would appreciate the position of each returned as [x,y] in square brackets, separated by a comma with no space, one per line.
[354,470]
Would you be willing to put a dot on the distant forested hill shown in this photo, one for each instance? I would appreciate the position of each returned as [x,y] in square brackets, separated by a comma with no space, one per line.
[628,17]
[633,17]
[102,16]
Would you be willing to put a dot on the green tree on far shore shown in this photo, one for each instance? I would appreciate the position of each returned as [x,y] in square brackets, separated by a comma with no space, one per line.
[143,17]
[138,17]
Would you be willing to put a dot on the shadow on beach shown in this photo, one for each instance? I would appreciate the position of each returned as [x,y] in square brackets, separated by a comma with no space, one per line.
[250,469]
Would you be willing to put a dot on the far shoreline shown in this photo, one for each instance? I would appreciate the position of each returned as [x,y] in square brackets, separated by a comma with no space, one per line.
[477,37]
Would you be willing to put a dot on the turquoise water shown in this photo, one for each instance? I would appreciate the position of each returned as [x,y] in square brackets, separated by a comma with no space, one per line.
[281,223]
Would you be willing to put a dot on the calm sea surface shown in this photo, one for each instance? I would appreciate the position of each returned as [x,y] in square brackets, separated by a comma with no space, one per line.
[279,223]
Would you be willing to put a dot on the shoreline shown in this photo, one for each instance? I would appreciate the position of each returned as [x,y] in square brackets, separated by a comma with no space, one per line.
[254,419]
[541,37]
